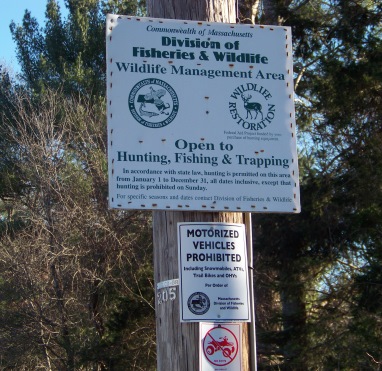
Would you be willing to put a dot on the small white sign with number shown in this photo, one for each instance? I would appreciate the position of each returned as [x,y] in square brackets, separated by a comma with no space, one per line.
[166,290]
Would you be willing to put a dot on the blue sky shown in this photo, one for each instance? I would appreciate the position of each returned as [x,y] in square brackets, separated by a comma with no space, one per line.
[14,10]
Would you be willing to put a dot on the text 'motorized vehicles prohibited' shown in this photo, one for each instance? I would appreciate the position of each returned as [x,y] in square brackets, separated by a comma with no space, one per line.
[213,272]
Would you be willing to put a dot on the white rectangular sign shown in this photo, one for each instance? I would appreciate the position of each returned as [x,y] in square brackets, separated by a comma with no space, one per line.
[213,272]
[200,116]
[220,347]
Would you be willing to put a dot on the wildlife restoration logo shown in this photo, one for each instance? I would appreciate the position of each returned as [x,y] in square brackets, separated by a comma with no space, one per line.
[153,103]
[198,303]
[251,107]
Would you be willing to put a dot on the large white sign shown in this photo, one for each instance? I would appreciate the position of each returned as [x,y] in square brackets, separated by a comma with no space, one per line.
[213,272]
[200,116]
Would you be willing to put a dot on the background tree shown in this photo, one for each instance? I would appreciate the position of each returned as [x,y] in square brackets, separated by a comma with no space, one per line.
[313,264]
[68,53]
[82,273]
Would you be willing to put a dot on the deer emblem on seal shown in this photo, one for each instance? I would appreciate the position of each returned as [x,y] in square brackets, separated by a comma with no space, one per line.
[251,106]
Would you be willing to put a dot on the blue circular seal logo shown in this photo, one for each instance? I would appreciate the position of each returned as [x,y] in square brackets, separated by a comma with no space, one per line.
[153,103]
[198,303]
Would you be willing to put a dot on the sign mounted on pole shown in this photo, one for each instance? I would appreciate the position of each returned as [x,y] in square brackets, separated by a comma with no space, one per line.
[200,116]
[220,346]
[213,272]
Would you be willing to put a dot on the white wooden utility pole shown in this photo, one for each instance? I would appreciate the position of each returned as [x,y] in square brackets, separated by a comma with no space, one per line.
[178,343]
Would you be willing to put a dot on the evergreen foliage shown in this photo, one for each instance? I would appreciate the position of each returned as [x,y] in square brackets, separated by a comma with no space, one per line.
[315,263]
[70,52]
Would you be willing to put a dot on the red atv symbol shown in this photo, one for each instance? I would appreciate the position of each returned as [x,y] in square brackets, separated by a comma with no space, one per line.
[226,347]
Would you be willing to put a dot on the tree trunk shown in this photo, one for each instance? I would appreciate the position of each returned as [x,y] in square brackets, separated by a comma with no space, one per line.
[292,338]
[193,10]
[269,13]
[292,296]
[178,343]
